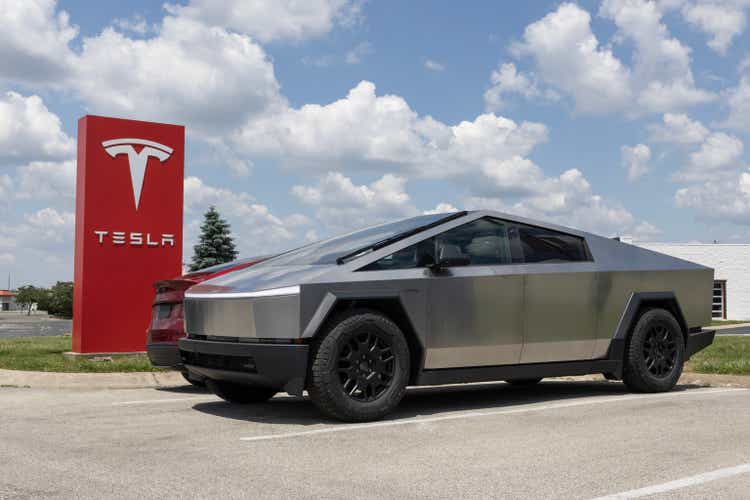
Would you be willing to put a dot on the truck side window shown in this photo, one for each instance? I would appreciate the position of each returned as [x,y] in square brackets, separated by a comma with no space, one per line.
[484,242]
[545,245]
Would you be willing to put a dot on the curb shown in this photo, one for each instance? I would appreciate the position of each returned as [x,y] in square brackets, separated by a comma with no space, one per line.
[145,380]
[728,327]
[57,380]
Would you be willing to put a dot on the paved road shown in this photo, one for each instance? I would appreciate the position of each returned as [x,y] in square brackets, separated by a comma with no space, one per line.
[19,325]
[737,330]
[558,440]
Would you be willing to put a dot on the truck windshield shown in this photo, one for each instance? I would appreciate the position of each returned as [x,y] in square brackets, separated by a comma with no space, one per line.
[352,245]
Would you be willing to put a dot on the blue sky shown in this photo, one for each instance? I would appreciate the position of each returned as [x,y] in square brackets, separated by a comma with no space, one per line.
[623,117]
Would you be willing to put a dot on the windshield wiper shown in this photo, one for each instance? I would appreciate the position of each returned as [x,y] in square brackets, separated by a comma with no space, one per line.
[383,243]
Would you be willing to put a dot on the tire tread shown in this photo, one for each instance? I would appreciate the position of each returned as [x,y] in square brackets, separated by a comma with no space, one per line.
[635,378]
[320,386]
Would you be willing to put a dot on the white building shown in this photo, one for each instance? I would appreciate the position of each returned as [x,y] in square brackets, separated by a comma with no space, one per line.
[731,263]
[7,300]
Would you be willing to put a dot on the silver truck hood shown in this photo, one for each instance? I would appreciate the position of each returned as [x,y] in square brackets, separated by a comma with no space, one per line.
[260,277]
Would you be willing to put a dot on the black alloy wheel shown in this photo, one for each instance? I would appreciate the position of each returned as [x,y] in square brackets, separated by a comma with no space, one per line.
[366,365]
[654,353]
[660,350]
[359,366]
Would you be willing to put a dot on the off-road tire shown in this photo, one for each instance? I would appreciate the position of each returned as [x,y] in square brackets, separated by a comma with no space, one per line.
[239,393]
[523,381]
[325,385]
[638,374]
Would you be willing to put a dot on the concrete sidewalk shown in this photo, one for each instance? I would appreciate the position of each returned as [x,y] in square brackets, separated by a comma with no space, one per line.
[139,380]
[56,380]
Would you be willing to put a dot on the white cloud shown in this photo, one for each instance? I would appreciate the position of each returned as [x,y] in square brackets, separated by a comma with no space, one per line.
[714,181]
[41,244]
[359,52]
[508,80]
[341,204]
[677,129]
[136,24]
[721,198]
[269,20]
[7,258]
[645,231]
[47,180]
[719,155]
[441,208]
[30,131]
[569,57]
[738,100]
[256,229]
[721,20]
[207,78]
[46,229]
[434,65]
[34,42]
[190,72]
[6,192]
[567,200]
[366,132]
[635,159]
[370,132]
[661,73]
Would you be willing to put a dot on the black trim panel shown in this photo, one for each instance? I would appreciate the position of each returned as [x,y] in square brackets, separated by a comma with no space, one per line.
[280,366]
[698,341]
[531,370]
[631,309]
[164,355]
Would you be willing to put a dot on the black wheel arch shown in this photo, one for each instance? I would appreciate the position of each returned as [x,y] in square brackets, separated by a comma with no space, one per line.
[389,306]
[639,303]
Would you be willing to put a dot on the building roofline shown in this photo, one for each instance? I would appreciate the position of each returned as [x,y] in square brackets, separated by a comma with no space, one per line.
[692,244]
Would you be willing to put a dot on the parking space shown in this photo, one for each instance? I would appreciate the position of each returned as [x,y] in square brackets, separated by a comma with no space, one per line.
[557,440]
[16,324]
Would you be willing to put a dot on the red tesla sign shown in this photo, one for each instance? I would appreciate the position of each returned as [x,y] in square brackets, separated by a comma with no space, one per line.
[128,228]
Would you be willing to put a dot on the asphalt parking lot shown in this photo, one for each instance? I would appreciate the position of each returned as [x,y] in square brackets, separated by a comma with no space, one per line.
[16,324]
[556,440]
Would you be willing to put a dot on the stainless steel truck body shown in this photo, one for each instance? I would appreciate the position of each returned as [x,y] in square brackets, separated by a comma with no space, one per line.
[473,296]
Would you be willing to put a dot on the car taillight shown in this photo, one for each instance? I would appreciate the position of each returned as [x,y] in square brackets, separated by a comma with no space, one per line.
[171,335]
[177,311]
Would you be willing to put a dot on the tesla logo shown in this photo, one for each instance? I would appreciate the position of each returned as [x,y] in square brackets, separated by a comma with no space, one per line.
[135,239]
[136,160]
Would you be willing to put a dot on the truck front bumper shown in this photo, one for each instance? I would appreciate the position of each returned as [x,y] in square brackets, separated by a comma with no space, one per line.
[278,366]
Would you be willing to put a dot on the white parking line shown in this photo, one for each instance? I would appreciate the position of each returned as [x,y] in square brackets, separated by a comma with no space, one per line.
[157,401]
[680,483]
[475,414]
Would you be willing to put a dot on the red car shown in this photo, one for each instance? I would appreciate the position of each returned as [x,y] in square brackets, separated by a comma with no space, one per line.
[167,325]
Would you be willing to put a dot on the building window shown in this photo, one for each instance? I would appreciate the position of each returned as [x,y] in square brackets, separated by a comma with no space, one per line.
[719,303]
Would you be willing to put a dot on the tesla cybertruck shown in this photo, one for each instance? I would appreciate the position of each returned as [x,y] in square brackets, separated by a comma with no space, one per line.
[445,298]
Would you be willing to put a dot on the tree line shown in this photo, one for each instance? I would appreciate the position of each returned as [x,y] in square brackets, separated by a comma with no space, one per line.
[56,300]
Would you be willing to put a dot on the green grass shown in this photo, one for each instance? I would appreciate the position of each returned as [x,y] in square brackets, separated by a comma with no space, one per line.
[728,322]
[727,355]
[45,354]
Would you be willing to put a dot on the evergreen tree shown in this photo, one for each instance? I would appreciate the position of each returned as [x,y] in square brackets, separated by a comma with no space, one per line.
[215,245]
